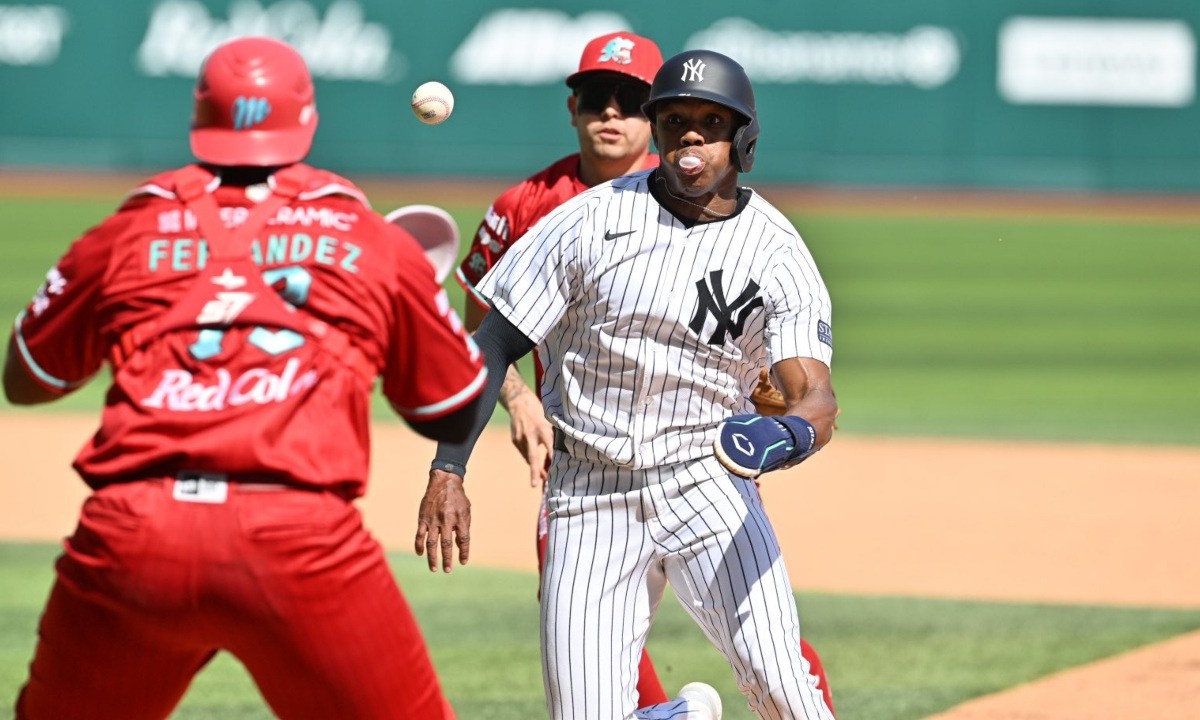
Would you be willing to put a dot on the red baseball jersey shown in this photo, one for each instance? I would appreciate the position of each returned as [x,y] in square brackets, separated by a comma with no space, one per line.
[248,401]
[518,209]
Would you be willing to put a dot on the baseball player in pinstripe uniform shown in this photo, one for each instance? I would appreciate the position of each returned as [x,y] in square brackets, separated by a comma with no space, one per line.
[653,300]
[609,87]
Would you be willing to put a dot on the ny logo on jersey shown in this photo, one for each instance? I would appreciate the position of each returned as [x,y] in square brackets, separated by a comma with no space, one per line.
[712,301]
[693,71]
[250,111]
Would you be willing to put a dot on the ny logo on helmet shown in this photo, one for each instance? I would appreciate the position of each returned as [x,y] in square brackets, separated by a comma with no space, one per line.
[250,111]
[618,50]
[693,70]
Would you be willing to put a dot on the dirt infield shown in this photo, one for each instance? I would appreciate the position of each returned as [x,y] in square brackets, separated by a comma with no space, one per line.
[1161,681]
[1023,522]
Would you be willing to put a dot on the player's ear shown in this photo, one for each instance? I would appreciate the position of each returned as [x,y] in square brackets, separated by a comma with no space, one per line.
[572,103]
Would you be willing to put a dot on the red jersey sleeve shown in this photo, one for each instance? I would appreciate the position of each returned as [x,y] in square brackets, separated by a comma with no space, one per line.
[57,336]
[499,228]
[512,214]
[433,366]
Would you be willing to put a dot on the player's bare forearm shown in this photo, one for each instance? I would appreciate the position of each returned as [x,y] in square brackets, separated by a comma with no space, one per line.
[514,389]
[808,390]
[750,444]
[532,435]
[443,521]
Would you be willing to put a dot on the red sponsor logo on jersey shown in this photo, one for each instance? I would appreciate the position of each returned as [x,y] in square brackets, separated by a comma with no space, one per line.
[179,391]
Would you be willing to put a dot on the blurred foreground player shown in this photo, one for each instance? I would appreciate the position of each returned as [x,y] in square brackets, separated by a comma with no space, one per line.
[247,305]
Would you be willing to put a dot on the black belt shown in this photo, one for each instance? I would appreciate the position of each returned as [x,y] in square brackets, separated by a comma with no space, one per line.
[264,482]
[560,440]
[249,482]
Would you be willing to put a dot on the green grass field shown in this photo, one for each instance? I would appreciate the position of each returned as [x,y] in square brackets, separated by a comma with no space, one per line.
[888,658]
[949,326]
[992,327]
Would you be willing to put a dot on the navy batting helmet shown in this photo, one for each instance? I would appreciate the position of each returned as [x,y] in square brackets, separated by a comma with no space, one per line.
[709,75]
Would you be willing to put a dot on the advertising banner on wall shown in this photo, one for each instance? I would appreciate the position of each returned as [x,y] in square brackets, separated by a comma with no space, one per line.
[1031,94]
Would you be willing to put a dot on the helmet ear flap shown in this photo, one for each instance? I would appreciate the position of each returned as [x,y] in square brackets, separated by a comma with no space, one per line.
[745,142]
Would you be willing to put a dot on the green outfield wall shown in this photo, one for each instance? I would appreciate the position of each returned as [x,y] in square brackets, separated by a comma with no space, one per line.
[1071,94]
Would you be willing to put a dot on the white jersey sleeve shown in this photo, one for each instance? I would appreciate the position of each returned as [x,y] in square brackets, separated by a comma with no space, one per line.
[533,283]
[799,310]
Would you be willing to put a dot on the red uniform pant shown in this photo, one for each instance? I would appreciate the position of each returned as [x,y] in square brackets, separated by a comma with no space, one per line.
[150,587]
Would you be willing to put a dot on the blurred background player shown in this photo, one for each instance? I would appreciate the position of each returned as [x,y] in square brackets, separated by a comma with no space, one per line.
[605,106]
[234,436]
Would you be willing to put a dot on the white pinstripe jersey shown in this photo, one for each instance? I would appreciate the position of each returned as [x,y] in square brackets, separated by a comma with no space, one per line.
[652,332]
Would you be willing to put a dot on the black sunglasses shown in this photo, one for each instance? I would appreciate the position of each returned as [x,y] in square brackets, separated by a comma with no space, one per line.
[594,95]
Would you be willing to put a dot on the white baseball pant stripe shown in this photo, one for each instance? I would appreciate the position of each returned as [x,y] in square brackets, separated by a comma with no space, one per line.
[616,537]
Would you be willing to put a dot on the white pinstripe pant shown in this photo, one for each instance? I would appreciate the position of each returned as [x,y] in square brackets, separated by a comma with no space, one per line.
[617,536]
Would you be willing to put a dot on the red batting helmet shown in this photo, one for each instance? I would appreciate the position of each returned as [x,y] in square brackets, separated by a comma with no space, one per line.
[255,105]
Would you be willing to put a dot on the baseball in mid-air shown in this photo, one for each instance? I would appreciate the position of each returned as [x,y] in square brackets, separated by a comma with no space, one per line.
[432,102]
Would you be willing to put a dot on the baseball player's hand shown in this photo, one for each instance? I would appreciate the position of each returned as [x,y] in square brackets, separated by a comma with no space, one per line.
[532,435]
[444,521]
[750,445]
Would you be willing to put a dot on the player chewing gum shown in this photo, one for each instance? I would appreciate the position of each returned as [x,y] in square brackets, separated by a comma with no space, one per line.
[728,289]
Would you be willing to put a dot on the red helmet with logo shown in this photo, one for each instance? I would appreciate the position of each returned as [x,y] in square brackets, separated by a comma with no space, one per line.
[255,105]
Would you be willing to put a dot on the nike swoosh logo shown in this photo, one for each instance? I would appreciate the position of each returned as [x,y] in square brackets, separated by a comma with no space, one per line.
[610,235]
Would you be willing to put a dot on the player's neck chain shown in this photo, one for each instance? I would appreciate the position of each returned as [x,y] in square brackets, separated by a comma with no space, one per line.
[667,188]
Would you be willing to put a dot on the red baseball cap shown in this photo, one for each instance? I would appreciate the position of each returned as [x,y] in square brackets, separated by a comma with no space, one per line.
[619,52]
[255,105]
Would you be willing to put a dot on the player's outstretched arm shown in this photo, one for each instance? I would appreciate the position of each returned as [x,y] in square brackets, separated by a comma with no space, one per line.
[808,390]
[444,518]
[452,427]
[531,433]
[751,444]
